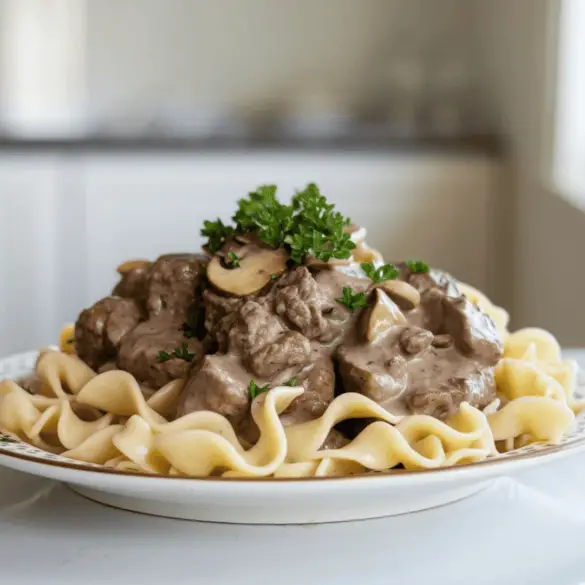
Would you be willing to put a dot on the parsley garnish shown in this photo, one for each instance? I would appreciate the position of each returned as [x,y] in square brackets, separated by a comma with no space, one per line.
[308,226]
[386,272]
[352,300]
[291,382]
[189,327]
[255,389]
[234,260]
[179,352]
[317,230]
[417,266]
[70,341]
[217,233]
[273,276]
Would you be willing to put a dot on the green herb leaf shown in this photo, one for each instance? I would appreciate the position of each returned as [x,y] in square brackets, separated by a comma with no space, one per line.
[291,382]
[273,276]
[417,266]
[261,212]
[179,352]
[385,272]
[217,233]
[318,230]
[183,352]
[234,260]
[352,300]
[255,389]
[163,356]
[70,341]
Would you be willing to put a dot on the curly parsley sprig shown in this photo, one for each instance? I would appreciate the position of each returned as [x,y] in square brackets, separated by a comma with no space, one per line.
[309,226]
[216,233]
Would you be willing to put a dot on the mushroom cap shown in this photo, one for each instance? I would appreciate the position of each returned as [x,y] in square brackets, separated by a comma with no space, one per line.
[256,270]
[382,316]
[402,293]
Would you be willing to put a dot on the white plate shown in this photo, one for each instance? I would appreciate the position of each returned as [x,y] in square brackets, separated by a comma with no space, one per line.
[283,501]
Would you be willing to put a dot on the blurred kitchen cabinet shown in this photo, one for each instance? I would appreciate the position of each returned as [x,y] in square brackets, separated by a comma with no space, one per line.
[439,208]
[29,255]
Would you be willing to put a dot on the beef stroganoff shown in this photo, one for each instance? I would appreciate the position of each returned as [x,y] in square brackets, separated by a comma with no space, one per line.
[289,348]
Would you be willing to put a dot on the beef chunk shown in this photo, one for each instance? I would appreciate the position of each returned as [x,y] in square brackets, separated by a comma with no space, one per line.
[319,384]
[100,329]
[220,314]
[219,384]
[172,285]
[376,370]
[133,284]
[138,353]
[300,302]
[443,398]
[288,350]
[475,334]
[253,328]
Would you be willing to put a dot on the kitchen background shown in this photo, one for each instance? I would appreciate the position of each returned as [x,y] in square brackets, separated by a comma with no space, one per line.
[125,123]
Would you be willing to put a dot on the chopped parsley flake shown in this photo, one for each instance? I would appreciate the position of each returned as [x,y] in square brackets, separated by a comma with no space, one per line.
[234,260]
[255,389]
[179,352]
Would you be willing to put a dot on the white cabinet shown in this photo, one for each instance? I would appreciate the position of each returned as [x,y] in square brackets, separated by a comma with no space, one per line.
[67,222]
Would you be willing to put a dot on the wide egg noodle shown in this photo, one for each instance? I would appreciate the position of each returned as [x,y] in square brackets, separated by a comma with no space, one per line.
[537,389]
[419,442]
[199,452]
[543,418]
[304,439]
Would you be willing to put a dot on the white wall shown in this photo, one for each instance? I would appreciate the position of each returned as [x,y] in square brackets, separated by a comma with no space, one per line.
[226,52]
[548,282]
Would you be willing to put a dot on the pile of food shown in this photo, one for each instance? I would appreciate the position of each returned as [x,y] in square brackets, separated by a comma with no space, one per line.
[289,347]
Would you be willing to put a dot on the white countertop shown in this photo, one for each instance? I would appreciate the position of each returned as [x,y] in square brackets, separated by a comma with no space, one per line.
[529,529]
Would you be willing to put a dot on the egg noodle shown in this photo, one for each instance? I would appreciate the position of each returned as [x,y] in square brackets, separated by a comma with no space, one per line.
[107,419]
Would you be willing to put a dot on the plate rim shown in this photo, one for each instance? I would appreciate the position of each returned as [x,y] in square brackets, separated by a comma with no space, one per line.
[564,448]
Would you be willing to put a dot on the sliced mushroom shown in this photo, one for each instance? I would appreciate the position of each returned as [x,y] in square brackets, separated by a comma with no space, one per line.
[402,293]
[256,270]
[363,253]
[382,316]
[131,265]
